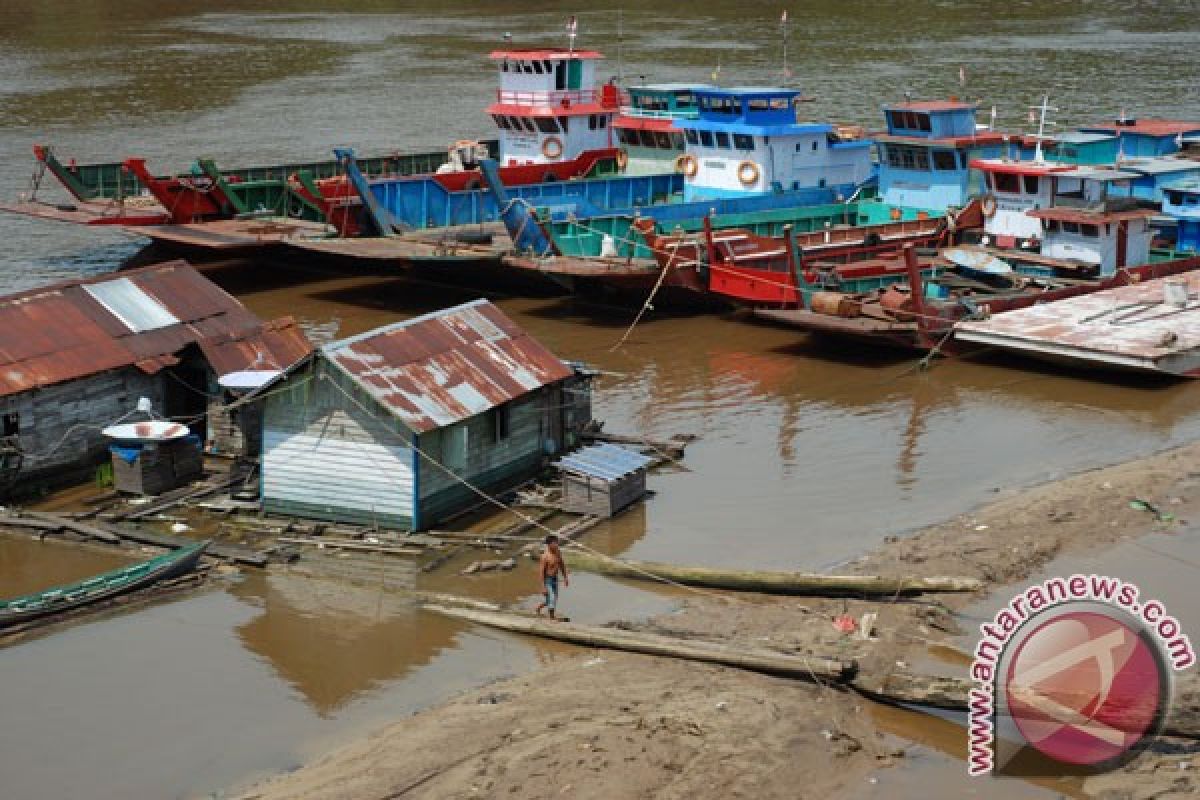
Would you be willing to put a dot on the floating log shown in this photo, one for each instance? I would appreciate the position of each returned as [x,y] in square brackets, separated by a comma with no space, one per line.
[770,582]
[756,659]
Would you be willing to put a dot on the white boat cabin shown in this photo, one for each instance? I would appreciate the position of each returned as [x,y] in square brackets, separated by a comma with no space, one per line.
[548,107]
[1109,240]
[747,141]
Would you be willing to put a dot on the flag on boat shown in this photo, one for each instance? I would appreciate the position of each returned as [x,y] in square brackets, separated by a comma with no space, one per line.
[783,17]
[1032,116]
[572,25]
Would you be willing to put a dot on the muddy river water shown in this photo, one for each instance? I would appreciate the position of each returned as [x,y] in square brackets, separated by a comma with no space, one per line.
[808,454]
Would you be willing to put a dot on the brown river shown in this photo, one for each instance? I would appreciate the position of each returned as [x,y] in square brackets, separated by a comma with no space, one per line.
[808,454]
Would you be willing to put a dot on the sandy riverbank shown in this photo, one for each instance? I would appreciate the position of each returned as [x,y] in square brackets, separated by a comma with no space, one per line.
[604,724]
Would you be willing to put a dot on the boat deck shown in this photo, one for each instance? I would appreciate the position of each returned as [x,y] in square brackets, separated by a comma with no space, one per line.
[143,211]
[1130,327]
[223,236]
[828,323]
[431,246]
[586,267]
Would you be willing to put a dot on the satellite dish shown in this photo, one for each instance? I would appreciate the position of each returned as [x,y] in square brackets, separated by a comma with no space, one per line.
[248,379]
[153,430]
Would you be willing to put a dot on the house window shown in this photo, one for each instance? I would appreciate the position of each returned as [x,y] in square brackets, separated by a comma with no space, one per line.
[743,142]
[11,424]
[500,423]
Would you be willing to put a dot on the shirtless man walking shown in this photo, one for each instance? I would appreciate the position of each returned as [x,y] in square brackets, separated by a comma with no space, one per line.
[548,569]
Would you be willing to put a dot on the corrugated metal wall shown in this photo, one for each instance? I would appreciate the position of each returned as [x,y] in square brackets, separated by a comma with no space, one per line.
[326,458]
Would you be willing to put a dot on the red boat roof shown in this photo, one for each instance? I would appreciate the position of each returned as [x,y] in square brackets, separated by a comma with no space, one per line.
[550,54]
[644,123]
[1151,126]
[1063,214]
[1020,167]
[930,105]
[573,110]
[984,137]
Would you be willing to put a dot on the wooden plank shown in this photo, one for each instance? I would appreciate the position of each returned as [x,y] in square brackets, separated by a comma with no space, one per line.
[771,582]
[757,659]
[83,528]
[350,544]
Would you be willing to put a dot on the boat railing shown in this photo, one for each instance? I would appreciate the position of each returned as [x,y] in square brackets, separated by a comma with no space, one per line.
[557,98]
[643,113]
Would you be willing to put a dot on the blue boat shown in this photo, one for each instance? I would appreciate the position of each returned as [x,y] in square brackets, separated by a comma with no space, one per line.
[1181,203]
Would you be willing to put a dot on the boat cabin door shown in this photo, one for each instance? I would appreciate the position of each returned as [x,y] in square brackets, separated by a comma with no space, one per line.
[574,74]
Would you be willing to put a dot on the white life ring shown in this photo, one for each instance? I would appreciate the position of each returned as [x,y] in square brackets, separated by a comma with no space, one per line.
[748,173]
[552,147]
[688,165]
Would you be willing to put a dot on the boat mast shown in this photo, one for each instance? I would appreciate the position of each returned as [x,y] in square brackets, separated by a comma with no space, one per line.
[620,60]
[1042,123]
[783,30]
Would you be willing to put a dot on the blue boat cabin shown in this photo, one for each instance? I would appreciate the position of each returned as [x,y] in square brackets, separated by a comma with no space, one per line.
[1181,202]
[925,155]
[747,141]
[1147,137]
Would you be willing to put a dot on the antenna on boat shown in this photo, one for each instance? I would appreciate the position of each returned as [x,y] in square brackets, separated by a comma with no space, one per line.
[1045,108]
[992,123]
[783,31]
[620,60]
[572,32]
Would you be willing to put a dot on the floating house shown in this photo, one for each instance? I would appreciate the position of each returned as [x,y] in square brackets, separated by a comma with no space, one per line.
[650,142]
[1147,137]
[78,355]
[747,141]
[403,426]
[548,108]
[925,156]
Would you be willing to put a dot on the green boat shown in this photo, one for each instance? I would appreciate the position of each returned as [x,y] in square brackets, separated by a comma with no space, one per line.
[100,587]
[113,181]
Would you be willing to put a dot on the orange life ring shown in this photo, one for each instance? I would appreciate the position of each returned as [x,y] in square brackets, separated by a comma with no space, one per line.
[552,147]
[987,204]
[622,158]
[748,173]
[896,214]
[688,165]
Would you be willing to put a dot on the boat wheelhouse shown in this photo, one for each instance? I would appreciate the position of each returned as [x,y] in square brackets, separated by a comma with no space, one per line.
[1181,202]
[548,108]
[645,129]
[1078,147]
[747,141]
[925,156]
[1152,175]
[1151,136]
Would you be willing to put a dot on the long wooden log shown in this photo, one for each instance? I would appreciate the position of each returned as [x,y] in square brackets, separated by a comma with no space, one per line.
[770,582]
[756,659]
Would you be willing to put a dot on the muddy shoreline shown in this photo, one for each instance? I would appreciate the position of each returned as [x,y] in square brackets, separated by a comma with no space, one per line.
[609,724]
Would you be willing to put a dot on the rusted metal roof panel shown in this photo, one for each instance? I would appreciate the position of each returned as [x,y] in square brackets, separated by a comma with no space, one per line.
[444,367]
[141,318]
[1145,326]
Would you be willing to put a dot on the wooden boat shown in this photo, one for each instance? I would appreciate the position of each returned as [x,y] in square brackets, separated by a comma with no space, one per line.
[100,587]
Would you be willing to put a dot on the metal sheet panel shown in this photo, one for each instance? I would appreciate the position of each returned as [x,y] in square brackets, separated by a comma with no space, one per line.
[357,477]
[441,368]
[606,461]
[137,310]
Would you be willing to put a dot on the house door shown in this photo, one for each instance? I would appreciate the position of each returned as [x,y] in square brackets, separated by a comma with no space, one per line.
[185,397]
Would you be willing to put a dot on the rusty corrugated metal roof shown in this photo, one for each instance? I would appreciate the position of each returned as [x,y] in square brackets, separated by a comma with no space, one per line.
[444,367]
[62,332]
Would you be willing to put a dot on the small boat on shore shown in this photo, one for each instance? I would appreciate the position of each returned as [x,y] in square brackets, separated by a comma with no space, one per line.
[100,587]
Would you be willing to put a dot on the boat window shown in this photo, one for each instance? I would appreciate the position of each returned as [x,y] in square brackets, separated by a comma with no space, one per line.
[1006,182]
[1089,230]
[11,423]
[1174,198]
[646,138]
[677,141]
[944,160]
[1070,227]
[706,139]
[564,123]
[501,122]
[500,422]
[743,142]
[504,65]
[779,104]
[922,121]
[662,140]
[547,67]
[603,120]
[537,67]
[1031,184]
[1051,225]
[758,104]
[684,99]
[815,144]
[591,122]
[528,123]
[723,139]
[546,124]
[691,137]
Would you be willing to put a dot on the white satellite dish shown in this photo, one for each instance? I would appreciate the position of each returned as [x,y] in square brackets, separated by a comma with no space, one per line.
[248,379]
[152,430]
